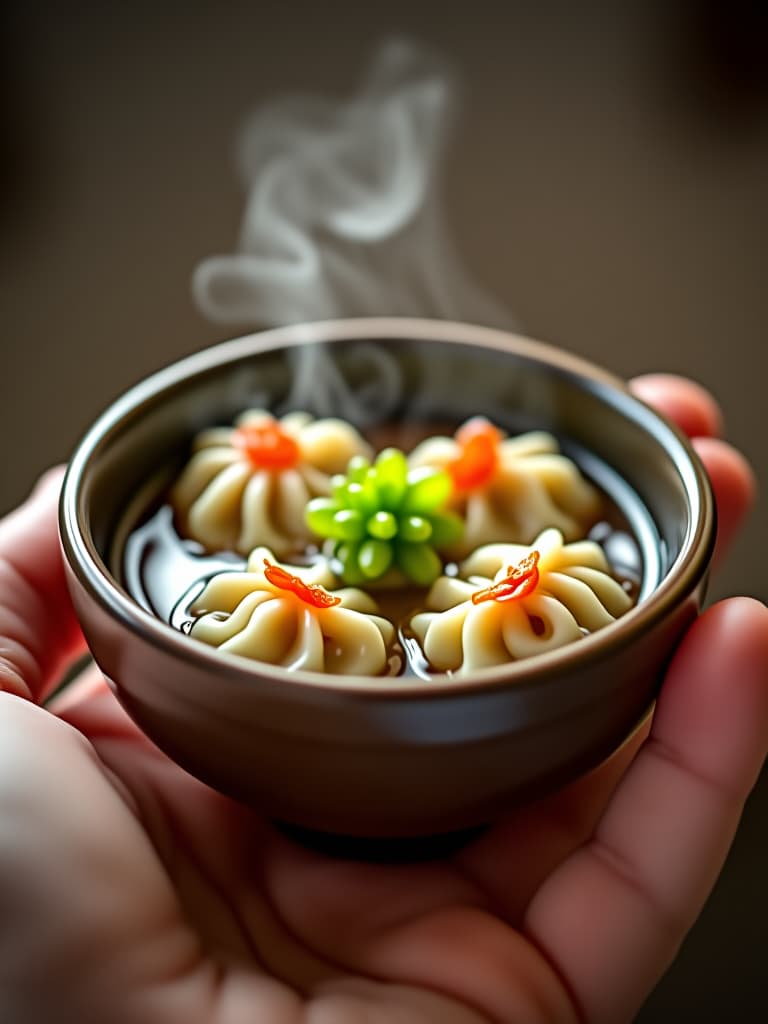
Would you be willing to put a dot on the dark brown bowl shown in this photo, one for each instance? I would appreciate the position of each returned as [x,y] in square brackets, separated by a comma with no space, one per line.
[381,756]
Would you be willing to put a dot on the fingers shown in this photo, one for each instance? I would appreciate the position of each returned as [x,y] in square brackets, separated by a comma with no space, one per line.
[81,887]
[613,915]
[697,414]
[39,633]
[540,835]
[683,401]
[734,487]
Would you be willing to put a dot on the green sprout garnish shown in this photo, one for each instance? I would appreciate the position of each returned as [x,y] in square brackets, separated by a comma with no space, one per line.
[385,516]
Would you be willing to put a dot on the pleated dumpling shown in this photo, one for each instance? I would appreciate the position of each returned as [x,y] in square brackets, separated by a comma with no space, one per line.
[248,485]
[511,601]
[510,488]
[290,616]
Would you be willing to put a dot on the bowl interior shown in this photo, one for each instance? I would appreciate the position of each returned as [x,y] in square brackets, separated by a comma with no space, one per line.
[395,388]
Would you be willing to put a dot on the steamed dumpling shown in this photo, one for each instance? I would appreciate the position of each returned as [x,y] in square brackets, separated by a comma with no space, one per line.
[248,485]
[290,616]
[509,489]
[511,601]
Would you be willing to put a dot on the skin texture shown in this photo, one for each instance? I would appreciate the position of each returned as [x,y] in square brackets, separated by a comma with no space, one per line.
[130,892]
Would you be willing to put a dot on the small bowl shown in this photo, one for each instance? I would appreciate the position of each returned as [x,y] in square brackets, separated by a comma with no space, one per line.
[389,757]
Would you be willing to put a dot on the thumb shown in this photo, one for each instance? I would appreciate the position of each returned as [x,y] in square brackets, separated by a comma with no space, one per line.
[39,633]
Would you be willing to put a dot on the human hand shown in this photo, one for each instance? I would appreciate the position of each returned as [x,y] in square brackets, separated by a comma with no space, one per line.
[130,892]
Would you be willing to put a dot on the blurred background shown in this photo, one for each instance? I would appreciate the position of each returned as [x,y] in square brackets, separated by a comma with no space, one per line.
[606,179]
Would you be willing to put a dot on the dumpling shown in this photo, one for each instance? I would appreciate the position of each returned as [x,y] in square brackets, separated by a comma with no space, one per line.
[511,602]
[509,489]
[248,485]
[289,616]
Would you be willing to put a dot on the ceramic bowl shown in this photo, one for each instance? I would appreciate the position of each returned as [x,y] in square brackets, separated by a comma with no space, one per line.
[389,757]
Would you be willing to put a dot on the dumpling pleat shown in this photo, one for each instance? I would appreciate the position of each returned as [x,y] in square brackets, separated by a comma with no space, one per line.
[307,652]
[535,442]
[211,516]
[440,635]
[218,629]
[528,506]
[329,444]
[563,482]
[487,560]
[435,451]
[354,644]
[199,472]
[489,516]
[483,636]
[448,591]
[290,499]
[257,526]
[610,591]
[580,599]
[317,483]
[214,437]
[556,626]
[268,634]
[255,418]
[582,553]
[224,592]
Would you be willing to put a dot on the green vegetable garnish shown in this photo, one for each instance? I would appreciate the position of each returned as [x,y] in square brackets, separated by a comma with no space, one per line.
[384,516]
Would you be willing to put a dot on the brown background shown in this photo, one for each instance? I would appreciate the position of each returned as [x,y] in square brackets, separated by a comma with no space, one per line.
[608,180]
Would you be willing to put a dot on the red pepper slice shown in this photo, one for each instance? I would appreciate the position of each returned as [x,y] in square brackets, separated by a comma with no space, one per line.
[479,454]
[266,445]
[311,593]
[520,581]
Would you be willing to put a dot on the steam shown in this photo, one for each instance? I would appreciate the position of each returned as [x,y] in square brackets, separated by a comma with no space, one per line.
[344,214]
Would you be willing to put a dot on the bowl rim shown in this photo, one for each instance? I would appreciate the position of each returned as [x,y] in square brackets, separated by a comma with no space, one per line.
[683,576]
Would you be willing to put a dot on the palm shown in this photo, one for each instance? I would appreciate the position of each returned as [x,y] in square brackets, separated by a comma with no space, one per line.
[219,885]
[189,907]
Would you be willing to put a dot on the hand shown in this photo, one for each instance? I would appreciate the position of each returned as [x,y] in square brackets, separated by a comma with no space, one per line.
[130,892]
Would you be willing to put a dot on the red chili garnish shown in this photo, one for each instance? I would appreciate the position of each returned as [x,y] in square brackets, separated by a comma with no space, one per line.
[520,581]
[479,454]
[310,593]
[266,445]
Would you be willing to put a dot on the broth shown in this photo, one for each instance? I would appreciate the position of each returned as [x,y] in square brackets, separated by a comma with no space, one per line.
[165,573]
